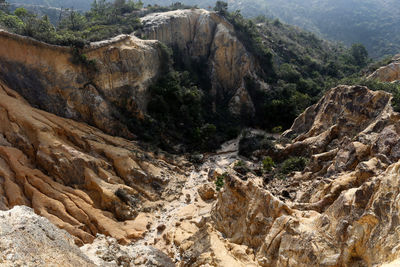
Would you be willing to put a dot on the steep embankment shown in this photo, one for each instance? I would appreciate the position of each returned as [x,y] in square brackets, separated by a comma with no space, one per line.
[46,76]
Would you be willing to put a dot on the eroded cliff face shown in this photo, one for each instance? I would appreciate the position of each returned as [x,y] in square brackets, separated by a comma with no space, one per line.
[207,40]
[103,97]
[115,89]
[81,179]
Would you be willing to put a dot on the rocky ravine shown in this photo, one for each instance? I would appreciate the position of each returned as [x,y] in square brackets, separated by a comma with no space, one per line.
[126,205]
[341,211]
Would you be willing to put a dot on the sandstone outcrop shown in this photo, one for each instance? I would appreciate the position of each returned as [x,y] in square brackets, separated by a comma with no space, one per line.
[389,73]
[343,208]
[81,179]
[204,38]
[27,239]
[104,95]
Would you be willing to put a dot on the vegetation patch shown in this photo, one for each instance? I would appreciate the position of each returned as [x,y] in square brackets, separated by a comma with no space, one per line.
[268,164]
[252,142]
[293,164]
[220,181]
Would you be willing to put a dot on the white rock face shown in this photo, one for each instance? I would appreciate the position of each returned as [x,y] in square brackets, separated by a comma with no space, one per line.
[106,252]
[26,239]
[207,39]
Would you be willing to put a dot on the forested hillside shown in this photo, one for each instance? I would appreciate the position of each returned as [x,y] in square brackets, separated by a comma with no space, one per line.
[373,23]
[73,4]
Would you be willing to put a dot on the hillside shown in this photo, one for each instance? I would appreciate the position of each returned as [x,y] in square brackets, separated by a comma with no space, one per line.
[373,23]
[73,4]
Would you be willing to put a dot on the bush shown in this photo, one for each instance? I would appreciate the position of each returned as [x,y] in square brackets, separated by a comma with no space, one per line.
[220,182]
[268,164]
[293,164]
[277,129]
[252,142]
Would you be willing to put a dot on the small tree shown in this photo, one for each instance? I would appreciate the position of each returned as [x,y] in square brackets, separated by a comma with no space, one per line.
[29,20]
[74,21]
[359,54]
[221,7]
[268,164]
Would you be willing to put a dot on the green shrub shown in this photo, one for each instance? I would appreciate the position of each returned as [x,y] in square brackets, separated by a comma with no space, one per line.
[268,164]
[241,167]
[252,142]
[220,182]
[240,163]
[293,164]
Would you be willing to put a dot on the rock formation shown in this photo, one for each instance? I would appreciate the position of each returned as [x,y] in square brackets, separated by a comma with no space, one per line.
[27,239]
[207,39]
[389,73]
[81,179]
[344,209]
[101,85]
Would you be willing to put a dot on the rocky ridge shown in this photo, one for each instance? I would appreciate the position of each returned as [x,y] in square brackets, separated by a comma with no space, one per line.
[342,209]
[27,239]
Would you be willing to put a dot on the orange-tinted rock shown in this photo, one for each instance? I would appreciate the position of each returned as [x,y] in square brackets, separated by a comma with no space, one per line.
[74,174]
[116,89]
